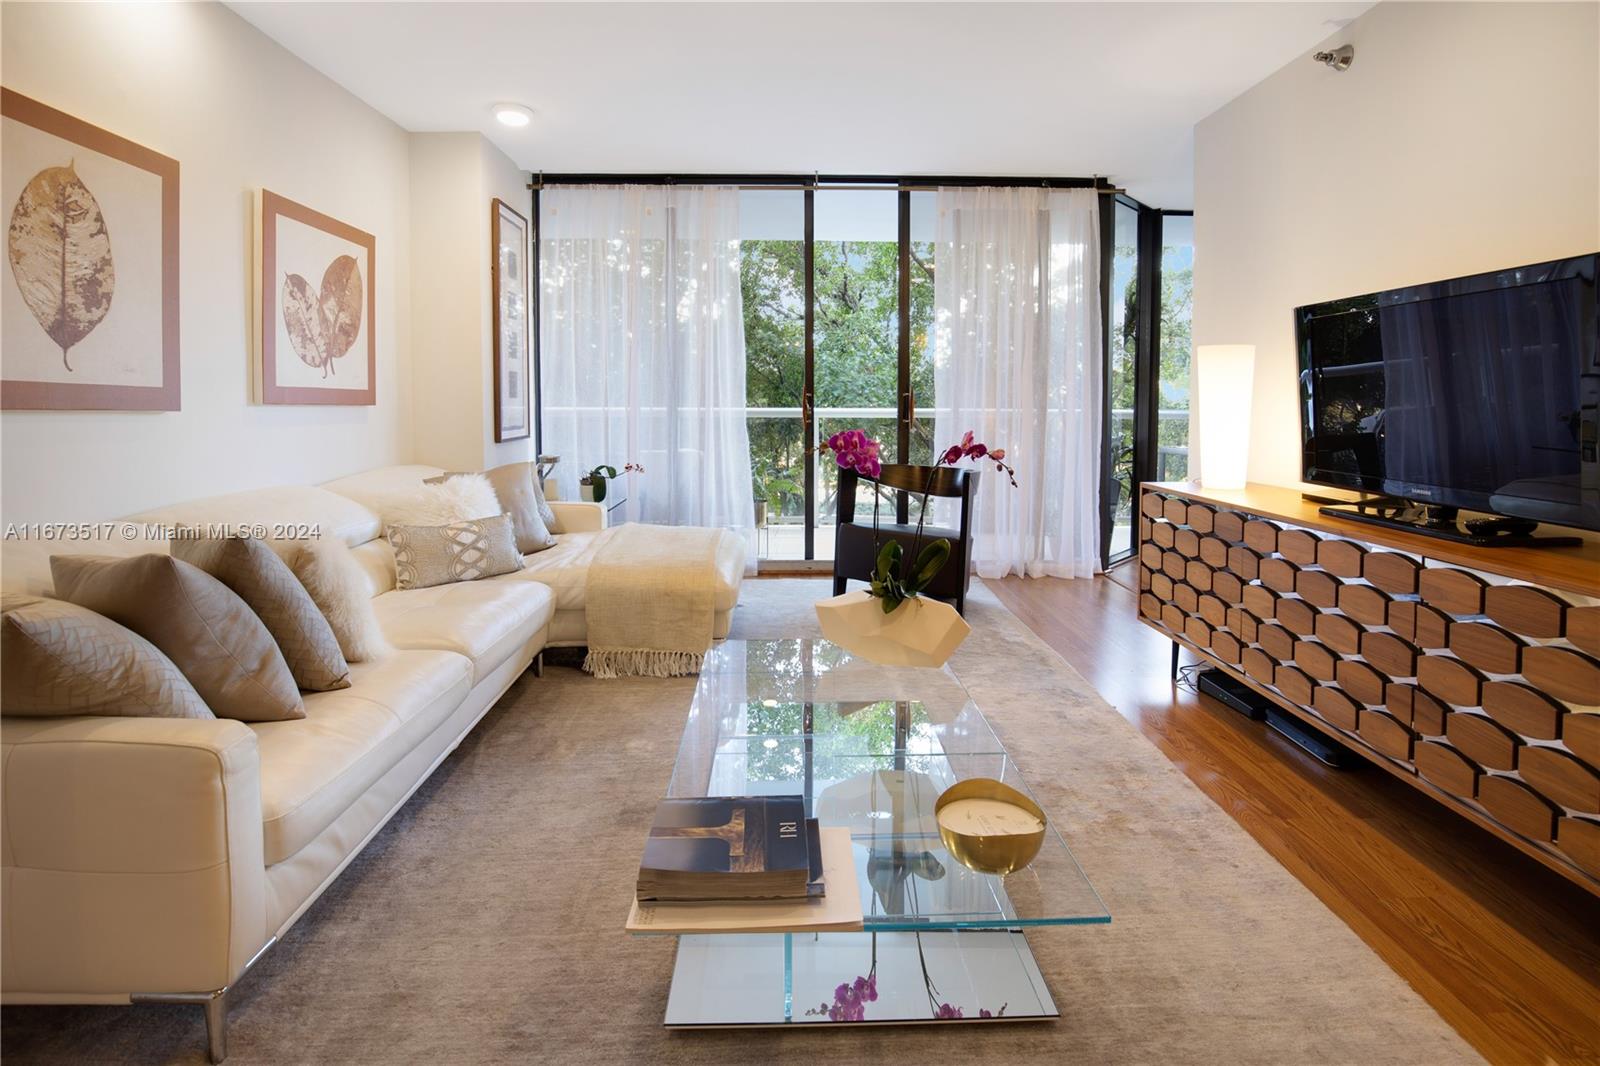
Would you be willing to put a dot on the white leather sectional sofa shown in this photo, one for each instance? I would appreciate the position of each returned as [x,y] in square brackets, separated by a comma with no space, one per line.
[154,859]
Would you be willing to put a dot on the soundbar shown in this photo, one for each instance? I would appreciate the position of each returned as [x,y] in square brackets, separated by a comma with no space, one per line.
[1247,701]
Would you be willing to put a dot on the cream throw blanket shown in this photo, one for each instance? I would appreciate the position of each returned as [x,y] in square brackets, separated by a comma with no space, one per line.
[649,601]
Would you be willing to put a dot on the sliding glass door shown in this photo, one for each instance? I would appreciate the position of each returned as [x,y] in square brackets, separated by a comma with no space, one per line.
[772,282]
[1173,347]
[856,286]
[1148,308]
[1122,313]
[851,374]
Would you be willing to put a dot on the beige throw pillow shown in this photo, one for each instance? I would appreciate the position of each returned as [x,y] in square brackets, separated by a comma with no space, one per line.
[517,490]
[546,512]
[57,658]
[460,551]
[207,631]
[338,587]
[265,582]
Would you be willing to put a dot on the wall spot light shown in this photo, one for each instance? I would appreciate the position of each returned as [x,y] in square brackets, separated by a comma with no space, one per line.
[1339,59]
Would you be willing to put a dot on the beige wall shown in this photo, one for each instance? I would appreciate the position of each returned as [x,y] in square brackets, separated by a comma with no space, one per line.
[454,176]
[239,113]
[446,331]
[503,180]
[1464,138]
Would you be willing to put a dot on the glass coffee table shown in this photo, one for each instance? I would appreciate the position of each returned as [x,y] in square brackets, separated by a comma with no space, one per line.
[870,748]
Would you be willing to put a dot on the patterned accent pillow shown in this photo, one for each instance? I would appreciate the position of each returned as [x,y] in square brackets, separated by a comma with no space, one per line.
[199,623]
[57,658]
[461,551]
[265,582]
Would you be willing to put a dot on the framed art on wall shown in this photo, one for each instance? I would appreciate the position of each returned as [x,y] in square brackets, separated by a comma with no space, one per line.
[512,400]
[90,305]
[315,296]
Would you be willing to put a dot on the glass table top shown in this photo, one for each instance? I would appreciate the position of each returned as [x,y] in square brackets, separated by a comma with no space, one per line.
[871,748]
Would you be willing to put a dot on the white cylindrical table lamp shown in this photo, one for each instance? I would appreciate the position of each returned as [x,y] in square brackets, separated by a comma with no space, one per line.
[1225,377]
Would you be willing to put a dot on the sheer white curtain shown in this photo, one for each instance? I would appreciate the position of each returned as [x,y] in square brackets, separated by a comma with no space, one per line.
[1017,351]
[641,349]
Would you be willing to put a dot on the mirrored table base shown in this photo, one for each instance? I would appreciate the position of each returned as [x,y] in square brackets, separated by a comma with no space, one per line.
[884,978]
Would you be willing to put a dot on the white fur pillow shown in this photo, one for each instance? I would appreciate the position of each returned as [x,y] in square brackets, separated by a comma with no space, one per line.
[339,588]
[457,499]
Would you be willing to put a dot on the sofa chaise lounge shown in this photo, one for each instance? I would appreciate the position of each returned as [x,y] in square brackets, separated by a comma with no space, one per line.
[155,859]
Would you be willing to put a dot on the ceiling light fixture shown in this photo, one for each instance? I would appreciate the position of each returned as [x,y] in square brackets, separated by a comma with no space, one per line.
[514,115]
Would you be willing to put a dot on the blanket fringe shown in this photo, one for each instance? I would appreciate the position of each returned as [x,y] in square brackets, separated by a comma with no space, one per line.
[641,662]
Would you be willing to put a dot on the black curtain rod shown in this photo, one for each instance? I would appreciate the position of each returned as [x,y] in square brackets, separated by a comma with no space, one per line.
[870,182]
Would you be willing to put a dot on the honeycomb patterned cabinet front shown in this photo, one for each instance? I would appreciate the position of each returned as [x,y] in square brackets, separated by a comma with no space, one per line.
[1481,689]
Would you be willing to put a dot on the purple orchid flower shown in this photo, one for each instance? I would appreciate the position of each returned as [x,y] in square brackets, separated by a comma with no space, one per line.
[853,450]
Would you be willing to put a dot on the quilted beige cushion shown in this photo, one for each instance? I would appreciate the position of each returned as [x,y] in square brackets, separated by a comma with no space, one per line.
[519,496]
[208,632]
[265,582]
[460,551]
[57,658]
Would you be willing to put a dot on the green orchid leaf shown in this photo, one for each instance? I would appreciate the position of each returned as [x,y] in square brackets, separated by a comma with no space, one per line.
[932,560]
[889,557]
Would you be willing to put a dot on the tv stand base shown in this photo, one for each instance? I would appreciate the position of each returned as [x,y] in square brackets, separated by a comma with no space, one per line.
[1414,518]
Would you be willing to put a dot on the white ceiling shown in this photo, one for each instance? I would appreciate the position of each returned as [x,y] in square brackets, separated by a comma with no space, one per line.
[1064,89]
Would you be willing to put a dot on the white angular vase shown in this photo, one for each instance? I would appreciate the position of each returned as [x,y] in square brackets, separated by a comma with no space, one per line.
[919,632]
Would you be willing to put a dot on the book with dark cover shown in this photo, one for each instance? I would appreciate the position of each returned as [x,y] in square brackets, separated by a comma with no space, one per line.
[742,847]
[814,886]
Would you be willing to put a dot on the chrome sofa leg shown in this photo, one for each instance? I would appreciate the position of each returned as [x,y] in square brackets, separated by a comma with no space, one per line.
[215,1003]
[216,1007]
[217,1027]
[538,665]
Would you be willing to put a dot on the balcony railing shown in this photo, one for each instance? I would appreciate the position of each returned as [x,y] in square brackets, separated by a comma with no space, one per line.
[1164,452]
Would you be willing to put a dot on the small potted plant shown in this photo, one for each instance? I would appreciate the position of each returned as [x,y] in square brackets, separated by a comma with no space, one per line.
[771,486]
[592,486]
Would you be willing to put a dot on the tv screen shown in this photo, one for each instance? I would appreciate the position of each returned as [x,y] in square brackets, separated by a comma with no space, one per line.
[1478,393]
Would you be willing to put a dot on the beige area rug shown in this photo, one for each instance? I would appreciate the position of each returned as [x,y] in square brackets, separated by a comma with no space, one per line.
[485,923]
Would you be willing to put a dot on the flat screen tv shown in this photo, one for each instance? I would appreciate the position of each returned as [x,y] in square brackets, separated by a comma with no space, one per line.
[1477,393]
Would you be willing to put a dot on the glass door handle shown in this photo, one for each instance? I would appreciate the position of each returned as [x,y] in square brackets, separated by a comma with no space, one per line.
[908,400]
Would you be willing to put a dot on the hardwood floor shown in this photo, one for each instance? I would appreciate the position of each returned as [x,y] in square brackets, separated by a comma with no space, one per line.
[1505,950]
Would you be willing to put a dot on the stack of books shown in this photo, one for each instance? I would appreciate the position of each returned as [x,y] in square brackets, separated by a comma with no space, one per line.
[744,864]
[723,849]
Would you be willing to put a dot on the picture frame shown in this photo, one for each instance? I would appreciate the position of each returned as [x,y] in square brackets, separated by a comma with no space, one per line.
[512,325]
[90,302]
[315,307]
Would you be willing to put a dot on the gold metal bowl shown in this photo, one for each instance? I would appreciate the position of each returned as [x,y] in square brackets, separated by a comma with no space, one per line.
[989,827]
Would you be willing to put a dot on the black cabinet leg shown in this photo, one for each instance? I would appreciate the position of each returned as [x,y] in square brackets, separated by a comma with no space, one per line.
[1174,660]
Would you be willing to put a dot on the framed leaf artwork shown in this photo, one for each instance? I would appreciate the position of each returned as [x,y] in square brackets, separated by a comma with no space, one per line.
[89,307]
[513,414]
[315,296]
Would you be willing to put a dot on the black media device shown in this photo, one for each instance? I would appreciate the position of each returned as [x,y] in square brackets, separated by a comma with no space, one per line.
[1479,393]
[1247,701]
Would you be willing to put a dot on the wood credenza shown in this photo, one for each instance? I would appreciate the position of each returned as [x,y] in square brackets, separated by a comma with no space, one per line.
[1473,673]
